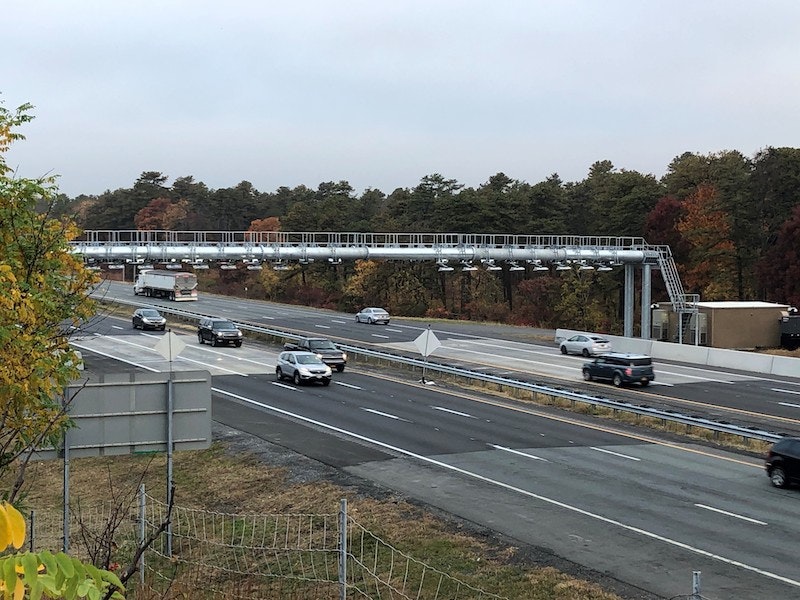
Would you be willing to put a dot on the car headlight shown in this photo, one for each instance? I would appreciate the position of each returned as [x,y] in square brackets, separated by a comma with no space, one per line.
[319,356]
[304,371]
[344,355]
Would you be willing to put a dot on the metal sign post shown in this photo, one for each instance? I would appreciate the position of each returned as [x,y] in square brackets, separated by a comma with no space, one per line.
[426,343]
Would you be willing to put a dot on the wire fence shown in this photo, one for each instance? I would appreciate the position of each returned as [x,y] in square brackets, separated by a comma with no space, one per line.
[221,556]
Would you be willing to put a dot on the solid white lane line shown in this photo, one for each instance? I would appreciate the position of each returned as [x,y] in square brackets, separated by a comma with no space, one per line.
[385,337]
[129,362]
[789,404]
[269,318]
[782,391]
[383,414]
[283,385]
[394,330]
[181,358]
[512,451]
[730,514]
[338,321]
[342,383]
[614,453]
[545,499]
[452,412]
[323,326]
[116,327]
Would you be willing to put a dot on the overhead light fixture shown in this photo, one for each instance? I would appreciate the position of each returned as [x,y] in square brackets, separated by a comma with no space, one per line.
[335,261]
[227,266]
[603,267]
[254,267]
[585,266]
[561,266]
[280,266]
[443,266]
[174,267]
[537,265]
[200,265]
[513,266]
[490,264]
[116,266]
[468,266]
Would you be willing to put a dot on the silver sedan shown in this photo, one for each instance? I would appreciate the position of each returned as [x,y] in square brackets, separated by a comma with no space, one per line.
[586,345]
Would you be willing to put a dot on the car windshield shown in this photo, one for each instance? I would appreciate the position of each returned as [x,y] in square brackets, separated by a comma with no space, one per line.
[149,312]
[308,359]
[224,325]
[322,345]
[640,362]
[598,340]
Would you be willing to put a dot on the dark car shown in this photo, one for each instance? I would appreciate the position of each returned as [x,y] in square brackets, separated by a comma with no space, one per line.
[218,332]
[620,369]
[302,367]
[783,462]
[148,318]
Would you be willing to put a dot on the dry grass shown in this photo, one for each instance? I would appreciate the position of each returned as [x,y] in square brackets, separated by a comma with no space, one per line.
[226,479]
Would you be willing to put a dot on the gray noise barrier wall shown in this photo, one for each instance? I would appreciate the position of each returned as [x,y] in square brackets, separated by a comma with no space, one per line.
[128,413]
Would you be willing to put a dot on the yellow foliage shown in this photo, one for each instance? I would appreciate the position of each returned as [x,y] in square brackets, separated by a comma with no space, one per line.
[12,527]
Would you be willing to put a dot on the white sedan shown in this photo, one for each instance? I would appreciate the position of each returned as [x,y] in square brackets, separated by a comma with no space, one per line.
[587,345]
[372,315]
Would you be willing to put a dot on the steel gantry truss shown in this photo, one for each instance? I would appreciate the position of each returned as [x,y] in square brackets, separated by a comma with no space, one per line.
[465,250]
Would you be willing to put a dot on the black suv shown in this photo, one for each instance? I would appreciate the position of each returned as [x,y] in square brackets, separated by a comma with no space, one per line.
[218,331]
[620,369]
[783,462]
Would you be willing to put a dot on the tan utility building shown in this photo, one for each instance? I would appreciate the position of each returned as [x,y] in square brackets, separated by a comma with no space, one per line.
[733,325]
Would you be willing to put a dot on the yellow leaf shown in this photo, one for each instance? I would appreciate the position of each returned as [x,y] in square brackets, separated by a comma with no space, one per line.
[19,590]
[16,525]
[5,529]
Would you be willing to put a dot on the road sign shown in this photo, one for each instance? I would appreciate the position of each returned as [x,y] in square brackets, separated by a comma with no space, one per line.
[427,342]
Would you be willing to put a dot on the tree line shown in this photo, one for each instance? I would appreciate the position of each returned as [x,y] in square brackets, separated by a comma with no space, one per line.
[731,221]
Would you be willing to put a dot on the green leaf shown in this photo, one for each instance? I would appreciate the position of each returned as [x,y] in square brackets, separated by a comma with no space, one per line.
[65,564]
[36,590]
[9,574]
[49,561]
[30,563]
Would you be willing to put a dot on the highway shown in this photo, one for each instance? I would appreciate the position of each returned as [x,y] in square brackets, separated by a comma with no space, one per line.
[646,511]
[742,398]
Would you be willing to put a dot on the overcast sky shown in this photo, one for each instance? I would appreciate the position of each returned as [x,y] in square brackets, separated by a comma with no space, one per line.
[382,93]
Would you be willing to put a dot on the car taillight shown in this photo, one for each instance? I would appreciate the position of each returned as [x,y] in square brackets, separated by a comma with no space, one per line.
[628,371]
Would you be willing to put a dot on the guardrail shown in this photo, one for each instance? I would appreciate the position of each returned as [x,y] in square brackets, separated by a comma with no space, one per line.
[534,388]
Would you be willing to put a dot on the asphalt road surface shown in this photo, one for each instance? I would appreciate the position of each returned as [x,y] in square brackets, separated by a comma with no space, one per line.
[646,511]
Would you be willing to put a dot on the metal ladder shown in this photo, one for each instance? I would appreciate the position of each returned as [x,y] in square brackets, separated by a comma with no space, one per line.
[682,303]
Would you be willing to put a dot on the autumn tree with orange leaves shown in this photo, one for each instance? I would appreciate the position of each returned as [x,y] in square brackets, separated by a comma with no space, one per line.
[705,227]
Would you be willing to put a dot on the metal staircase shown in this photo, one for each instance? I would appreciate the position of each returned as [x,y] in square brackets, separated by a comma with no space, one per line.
[685,305]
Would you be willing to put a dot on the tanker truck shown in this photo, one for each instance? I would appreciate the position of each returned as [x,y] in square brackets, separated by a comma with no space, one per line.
[174,285]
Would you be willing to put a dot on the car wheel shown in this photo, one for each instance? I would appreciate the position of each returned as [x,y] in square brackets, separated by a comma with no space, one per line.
[585,352]
[563,349]
[279,374]
[777,477]
[586,375]
[214,341]
[163,328]
[358,319]
[371,321]
[645,382]
[134,324]
[617,380]
[296,378]
[238,344]
[339,368]
[326,382]
[200,338]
